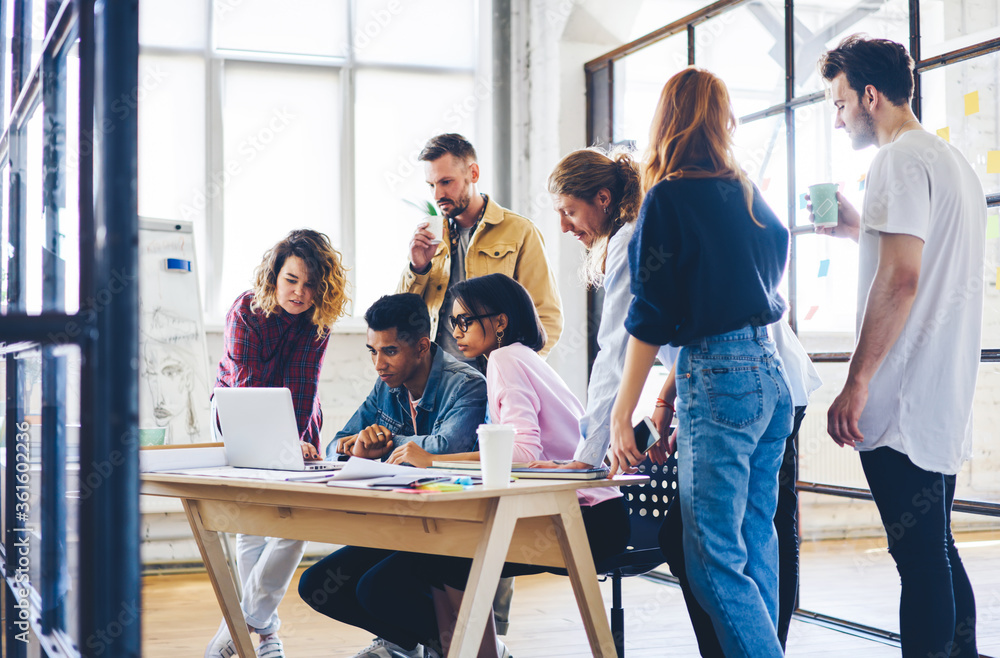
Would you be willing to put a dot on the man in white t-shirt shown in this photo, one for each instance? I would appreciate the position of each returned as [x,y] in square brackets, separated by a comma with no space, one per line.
[907,402]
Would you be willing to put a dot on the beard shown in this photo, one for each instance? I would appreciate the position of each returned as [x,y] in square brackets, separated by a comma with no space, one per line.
[458,206]
[864,133]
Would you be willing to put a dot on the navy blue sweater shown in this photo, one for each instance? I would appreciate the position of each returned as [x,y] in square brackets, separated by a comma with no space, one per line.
[700,265]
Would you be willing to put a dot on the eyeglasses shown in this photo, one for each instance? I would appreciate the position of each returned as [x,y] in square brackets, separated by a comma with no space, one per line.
[463,322]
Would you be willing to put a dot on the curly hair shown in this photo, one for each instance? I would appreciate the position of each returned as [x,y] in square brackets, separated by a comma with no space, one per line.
[327,277]
[584,173]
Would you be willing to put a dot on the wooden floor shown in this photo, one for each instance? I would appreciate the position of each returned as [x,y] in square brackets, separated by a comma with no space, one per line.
[851,579]
[545,623]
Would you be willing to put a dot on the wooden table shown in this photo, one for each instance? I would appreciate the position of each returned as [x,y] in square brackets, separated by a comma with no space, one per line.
[533,521]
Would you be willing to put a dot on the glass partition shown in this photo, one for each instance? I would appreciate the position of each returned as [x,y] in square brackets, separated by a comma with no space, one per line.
[639,80]
[947,25]
[820,27]
[756,79]
[961,102]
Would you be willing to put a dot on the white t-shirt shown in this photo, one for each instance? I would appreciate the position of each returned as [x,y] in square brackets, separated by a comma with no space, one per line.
[802,375]
[920,399]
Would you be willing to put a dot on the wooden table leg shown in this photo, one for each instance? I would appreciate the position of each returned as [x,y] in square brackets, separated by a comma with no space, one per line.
[477,602]
[222,580]
[580,565]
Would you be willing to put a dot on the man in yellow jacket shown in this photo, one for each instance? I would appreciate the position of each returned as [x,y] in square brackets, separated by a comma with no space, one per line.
[477,237]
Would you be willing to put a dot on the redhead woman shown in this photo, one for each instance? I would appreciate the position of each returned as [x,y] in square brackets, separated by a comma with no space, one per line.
[706,262]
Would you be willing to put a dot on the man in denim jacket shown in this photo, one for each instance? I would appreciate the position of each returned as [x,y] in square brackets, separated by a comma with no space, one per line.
[423,394]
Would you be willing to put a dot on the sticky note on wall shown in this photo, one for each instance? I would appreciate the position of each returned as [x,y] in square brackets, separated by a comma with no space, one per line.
[992,227]
[971,103]
[945,134]
[813,309]
[824,267]
[993,162]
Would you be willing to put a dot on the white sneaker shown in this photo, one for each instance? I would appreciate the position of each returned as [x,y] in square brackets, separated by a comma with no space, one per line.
[221,645]
[380,648]
[502,649]
[270,647]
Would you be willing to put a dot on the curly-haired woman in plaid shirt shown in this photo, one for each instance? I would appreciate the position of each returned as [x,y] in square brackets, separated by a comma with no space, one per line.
[276,335]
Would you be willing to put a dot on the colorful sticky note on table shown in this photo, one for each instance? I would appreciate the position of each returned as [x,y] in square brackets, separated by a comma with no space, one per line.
[993,162]
[998,278]
[802,201]
[992,227]
[944,133]
[971,103]
[861,182]
[812,311]
[824,267]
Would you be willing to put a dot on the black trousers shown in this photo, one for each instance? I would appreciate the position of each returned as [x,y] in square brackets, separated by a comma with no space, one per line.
[389,594]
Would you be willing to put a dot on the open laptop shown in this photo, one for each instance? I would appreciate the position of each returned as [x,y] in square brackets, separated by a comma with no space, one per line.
[259,430]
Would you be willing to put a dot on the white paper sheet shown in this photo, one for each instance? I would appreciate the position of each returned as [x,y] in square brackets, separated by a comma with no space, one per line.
[256,474]
[359,468]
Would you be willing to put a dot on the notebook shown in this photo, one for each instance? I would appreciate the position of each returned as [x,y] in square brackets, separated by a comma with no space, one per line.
[521,470]
[259,431]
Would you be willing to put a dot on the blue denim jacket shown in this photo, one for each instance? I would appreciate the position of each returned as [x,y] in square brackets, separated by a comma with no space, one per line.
[452,407]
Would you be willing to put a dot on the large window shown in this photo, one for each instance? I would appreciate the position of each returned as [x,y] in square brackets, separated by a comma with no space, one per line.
[255,121]
[786,141]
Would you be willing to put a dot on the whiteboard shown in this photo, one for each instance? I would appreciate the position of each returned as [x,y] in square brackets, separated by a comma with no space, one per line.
[175,375]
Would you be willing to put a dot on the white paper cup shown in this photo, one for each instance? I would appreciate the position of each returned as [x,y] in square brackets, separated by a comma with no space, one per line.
[496,452]
[434,225]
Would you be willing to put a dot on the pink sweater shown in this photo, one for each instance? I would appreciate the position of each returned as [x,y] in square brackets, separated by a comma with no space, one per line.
[526,392]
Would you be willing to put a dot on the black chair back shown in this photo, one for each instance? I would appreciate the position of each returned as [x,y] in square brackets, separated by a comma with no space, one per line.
[647,506]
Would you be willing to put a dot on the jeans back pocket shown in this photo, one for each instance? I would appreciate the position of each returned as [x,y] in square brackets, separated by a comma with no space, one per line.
[735,394]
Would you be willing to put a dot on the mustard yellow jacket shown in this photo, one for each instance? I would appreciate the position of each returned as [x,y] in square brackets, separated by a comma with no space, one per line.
[503,242]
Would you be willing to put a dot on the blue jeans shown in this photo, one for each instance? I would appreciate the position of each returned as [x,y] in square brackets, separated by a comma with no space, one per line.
[937,609]
[734,412]
[785,524]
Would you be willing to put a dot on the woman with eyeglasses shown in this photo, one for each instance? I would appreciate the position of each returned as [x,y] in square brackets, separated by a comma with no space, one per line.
[493,317]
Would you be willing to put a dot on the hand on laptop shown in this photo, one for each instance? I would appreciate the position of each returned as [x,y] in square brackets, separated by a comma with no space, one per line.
[372,442]
[411,453]
[308,451]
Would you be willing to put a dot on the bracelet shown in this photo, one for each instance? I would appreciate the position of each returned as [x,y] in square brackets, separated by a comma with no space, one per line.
[661,404]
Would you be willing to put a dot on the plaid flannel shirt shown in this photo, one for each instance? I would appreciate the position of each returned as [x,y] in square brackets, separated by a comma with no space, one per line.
[280,350]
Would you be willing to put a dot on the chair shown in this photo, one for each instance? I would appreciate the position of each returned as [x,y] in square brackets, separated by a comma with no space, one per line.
[647,506]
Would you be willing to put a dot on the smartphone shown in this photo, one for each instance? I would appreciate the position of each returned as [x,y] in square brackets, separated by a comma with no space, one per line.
[646,435]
